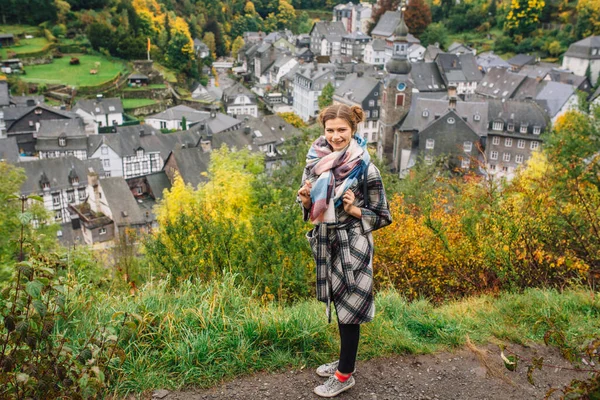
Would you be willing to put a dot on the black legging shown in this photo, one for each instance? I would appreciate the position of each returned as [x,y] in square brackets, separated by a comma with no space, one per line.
[349,335]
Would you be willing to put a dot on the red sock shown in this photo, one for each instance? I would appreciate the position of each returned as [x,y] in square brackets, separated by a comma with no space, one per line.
[342,378]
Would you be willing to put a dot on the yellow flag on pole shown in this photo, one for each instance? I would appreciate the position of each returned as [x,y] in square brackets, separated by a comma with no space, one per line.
[148,44]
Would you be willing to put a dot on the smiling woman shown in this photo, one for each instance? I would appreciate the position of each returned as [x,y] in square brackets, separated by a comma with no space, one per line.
[334,198]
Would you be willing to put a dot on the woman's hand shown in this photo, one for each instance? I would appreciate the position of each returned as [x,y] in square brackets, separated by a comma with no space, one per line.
[348,200]
[304,194]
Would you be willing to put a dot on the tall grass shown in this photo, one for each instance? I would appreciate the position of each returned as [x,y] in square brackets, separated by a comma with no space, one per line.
[198,335]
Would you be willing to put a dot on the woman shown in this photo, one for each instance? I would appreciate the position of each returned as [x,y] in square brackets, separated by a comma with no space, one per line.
[333,197]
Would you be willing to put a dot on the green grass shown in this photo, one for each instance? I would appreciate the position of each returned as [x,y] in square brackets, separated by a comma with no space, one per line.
[135,103]
[202,333]
[476,39]
[167,73]
[153,86]
[26,46]
[60,72]
[19,29]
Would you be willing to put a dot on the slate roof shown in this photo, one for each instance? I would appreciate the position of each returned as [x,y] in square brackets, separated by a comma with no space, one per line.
[539,70]
[137,76]
[447,131]
[191,162]
[237,89]
[583,48]
[123,206]
[489,60]
[199,92]
[378,44]
[102,106]
[552,96]
[521,60]
[176,113]
[158,182]
[517,112]
[23,101]
[309,71]
[331,31]
[57,171]
[458,68]
[432,52]
[426,77]
[4,94]
[387,24]
[456,48]
[435,107]
[9,150]
[356,89]
[527,90]
[569,78]
[499,83]
[54,128]
[13,114]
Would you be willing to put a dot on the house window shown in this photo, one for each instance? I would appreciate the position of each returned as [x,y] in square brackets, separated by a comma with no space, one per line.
[428,160]
[506,157]
[492,167]
[476,117]
[58,215]
[400,100]
[56,199]
[45,186]
[107,174]
[429,144]
[163,125]
[104,150]
[102,231]
[521,144]
[425,113]
[30,123]
[519,159]
[494,155]
[38,111]
[523,128]
[451,120]
[71,197]
[511,127]
[81,194]
[371,103]
[139,153]
[367,114]
[508,142]
[106,163]
[498,126]
[534,145]
[465,163]
[496,140]
[467,146]
[536,130]
[375,113]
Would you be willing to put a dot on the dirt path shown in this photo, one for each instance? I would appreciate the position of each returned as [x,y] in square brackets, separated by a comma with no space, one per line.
[459,375]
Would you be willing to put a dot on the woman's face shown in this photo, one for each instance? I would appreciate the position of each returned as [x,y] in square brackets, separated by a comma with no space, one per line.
[338,133]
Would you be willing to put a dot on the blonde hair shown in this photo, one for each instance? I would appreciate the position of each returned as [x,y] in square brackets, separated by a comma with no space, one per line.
[352,115]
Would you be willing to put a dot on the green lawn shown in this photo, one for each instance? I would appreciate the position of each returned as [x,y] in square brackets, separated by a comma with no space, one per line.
[25,46]
[154,86]
[60,72]
[19,29]
[135,103]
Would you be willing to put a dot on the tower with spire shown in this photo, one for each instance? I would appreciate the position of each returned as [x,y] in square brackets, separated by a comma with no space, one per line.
[396,97]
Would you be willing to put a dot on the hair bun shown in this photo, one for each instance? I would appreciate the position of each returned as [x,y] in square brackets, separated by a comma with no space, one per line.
[358,115]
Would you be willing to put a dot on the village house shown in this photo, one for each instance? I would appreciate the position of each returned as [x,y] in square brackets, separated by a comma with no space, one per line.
[353,45]
[582,56]
[326,38]
[240,101]
[354,17]
[460,71]
[309,81]
[62,137]
[201,49]
[100,112]
[60,182]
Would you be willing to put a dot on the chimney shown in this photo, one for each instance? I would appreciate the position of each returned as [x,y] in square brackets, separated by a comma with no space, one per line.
[99,97]
[142,133]
[247,130]
[92,178]
[30,102]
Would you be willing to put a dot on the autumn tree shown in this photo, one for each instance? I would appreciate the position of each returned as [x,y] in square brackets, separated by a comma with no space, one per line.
[286,15]
[326,97]
[417,16]
[292,119]
[523,16]
[588,18]
[209,40]
[238,43]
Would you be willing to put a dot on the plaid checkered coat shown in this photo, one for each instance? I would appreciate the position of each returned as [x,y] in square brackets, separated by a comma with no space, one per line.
[343,252]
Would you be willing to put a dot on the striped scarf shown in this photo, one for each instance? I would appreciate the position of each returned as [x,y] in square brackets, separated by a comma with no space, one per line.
[335,171]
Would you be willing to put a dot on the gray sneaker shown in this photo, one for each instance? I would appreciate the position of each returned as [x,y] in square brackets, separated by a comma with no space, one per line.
[332,387]
[327,370]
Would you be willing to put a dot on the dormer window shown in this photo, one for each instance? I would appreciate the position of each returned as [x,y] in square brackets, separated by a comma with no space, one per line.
[111,108]
[498,126]
[425,113]
[97,110]
[523,128]
[537,130]
[62,142]
[45,185]
[476,117]
[511,127]
[30,123]
[38,111]
[451,120]
[140,153]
